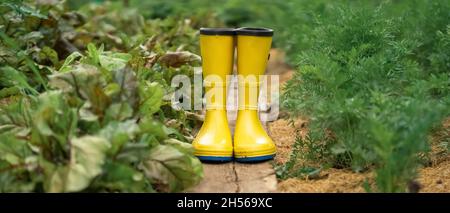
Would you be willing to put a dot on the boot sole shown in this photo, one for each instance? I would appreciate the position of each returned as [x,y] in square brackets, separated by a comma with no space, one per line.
[214,159]
[254,159]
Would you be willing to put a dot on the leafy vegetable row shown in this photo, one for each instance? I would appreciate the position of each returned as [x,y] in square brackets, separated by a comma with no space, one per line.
[75,117]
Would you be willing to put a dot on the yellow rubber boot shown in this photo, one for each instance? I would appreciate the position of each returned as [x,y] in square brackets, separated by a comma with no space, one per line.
[251,142]
[213,142]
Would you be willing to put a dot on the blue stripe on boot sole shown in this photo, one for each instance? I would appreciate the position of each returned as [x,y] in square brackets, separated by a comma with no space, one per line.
[214,158]
[255,159]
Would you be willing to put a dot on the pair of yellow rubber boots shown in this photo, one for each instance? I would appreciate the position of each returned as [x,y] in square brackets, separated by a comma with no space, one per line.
[214,142]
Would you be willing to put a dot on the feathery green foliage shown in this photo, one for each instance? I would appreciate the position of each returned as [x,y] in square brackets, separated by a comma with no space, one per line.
[373,91]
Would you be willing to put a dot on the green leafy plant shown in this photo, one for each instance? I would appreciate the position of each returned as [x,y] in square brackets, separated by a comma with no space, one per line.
[87,109]
[91,132]
[370,102]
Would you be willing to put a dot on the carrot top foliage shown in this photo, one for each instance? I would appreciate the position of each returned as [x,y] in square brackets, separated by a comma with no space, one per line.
[374,89]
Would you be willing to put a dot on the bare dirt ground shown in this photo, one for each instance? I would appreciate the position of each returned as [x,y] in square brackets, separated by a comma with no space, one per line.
[434,178]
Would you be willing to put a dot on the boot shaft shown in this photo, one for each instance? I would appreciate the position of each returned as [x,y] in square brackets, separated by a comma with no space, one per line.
[217,51]
[253,46]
